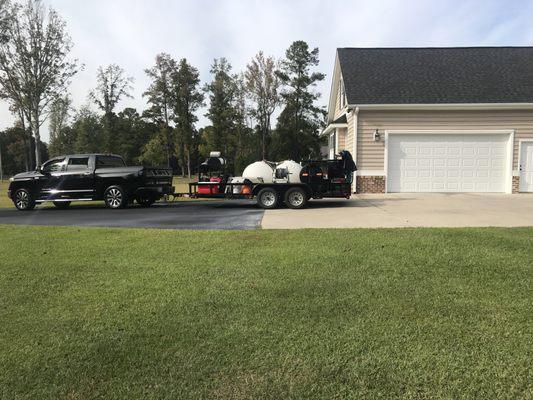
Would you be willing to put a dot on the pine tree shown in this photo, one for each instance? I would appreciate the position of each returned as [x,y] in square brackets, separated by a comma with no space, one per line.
[160,98]
[297,133]
[222,111]
[187,98]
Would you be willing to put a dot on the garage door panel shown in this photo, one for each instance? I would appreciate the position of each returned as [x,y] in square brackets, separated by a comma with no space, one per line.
[447,163]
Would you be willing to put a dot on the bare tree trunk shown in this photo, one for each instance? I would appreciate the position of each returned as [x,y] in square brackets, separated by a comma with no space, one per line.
[1,166]
[37,136]
[27,141]
[167,131]
[263,143]
[182,159]
[189,163]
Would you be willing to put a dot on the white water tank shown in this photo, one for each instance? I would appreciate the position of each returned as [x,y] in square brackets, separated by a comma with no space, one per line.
[293,168]
[259,171]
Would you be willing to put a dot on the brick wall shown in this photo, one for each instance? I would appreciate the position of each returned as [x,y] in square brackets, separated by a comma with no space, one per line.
[370,184]
[516,184]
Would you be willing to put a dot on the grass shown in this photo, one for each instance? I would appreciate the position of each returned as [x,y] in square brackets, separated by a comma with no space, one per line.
[322,314]
[181,185]
[5,202]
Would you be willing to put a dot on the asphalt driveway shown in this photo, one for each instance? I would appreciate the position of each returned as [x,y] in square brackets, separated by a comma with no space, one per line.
[408,210]
[362,211]
[227,215]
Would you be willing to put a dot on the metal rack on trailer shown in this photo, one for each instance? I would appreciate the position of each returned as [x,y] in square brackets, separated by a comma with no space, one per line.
[317,179]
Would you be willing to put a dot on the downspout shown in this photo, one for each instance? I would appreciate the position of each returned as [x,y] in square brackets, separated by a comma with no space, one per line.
[354,153]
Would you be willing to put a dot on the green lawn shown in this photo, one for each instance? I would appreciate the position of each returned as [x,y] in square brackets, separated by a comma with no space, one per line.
[363,314]
[4,200]
[181,184]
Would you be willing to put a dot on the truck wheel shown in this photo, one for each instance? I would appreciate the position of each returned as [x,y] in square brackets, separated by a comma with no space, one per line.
[115,197]
[23,200]
[61,204]
[267,198]
[296,198]
[145,200]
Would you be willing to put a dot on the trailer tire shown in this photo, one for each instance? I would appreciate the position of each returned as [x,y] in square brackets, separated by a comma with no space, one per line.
[296,198]
[145,200]
[268,198]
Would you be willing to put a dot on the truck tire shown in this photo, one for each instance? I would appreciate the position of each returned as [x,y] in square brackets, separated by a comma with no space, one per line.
[23,200]
[145,200]
[61,204]
[267,198]
[296,198]
[115,197]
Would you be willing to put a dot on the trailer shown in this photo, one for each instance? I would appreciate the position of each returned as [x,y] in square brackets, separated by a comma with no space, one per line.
[285,184]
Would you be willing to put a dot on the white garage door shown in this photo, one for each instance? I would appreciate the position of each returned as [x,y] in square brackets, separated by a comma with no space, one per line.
[447,162]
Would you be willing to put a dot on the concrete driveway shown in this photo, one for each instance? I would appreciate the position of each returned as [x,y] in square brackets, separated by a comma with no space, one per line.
[408,210]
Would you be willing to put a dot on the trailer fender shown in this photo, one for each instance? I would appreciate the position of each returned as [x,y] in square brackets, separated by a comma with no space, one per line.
[281,188]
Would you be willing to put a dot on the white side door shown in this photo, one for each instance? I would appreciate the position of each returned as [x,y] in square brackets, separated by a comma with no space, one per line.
[526,167]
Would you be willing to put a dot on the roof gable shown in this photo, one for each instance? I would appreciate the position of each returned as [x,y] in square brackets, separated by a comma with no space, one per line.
[437,75]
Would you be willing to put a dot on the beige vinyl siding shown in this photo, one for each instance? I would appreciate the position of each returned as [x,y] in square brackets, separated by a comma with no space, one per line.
[341,138]
[338,109]
[370,154]
[348,141]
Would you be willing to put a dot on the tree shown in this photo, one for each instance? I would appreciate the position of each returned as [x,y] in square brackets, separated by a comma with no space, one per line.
[5,16]
[133,133]
[187,98]
[88,132]
[34,63]
[60,113]
[247,147]
[151,152]
[160,98]
[112,86]
[297,133]
[262,86]
[13,145]
[222,112]
[27,139]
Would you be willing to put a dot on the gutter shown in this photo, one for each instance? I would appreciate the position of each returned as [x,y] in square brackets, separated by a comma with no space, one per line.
[330,127]
[355,135]
[448,106]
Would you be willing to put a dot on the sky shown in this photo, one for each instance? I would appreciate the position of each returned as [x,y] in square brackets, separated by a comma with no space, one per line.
[131,32]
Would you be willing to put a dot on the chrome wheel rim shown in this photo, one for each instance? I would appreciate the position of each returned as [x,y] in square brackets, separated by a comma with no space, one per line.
[268,199]
[296,199]
[22,199]
[114,198]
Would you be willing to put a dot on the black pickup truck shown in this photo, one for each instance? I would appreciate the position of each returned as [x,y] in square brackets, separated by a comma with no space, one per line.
[85,177]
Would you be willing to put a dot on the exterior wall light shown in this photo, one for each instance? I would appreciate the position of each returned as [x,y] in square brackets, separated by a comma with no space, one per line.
[377,136]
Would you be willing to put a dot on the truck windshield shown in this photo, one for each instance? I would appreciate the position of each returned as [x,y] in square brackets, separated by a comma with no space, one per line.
[109,162]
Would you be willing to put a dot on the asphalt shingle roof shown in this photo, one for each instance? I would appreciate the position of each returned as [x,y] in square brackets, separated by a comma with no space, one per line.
[437,75]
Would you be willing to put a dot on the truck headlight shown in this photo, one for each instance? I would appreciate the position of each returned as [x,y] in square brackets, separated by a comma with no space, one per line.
[11,179]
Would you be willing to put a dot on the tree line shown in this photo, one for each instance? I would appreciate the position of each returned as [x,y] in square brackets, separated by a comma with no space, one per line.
[36,71]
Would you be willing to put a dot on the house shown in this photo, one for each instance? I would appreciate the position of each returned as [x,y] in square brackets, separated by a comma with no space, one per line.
[435,119]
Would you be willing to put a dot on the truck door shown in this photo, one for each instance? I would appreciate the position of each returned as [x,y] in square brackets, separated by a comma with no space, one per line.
[78,178]
[50,183]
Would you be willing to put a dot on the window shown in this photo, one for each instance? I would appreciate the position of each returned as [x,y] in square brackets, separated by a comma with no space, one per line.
[78,163]
[109,162]
[53,165]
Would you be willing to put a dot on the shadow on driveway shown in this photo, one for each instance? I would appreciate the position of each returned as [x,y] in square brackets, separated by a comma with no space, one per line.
[220,215]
